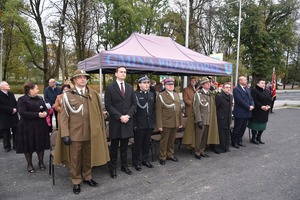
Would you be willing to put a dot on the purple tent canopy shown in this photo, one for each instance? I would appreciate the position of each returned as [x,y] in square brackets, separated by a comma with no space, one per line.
[149,53]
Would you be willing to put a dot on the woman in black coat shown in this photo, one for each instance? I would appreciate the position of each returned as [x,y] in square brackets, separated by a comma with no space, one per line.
[32,130]
[260,113]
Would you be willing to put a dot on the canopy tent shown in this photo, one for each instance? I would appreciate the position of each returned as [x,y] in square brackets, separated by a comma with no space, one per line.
[155,54]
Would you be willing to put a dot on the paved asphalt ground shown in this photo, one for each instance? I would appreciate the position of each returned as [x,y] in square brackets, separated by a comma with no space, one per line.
[263,172]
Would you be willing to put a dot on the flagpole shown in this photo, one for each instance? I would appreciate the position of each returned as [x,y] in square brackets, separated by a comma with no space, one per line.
[187,23]
[238,44]
[274,83]
[1,50]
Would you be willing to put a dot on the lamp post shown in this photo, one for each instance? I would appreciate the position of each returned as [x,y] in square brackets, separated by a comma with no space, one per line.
[238,44]
[60,64]
[1,50]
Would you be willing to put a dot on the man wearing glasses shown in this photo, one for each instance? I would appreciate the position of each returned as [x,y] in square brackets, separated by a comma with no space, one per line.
[144,122]
[224,112]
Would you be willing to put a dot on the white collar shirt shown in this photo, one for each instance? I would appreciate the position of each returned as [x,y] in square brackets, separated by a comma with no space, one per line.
[78,89]
[171,94]
[119,84]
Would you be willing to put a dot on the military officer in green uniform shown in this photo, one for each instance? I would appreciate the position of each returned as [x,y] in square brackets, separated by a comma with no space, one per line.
[81,142]
[168,119]
[201,110]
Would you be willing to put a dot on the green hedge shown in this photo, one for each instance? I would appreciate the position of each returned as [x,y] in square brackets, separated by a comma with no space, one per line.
[18,89]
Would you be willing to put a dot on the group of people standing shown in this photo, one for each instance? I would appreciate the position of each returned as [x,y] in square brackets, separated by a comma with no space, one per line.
[251,108]
[24,120]
[82,141]
[207,108]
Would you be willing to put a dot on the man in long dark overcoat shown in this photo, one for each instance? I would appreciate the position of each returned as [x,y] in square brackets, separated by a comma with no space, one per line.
[8,115]
[224,112]
[120,103]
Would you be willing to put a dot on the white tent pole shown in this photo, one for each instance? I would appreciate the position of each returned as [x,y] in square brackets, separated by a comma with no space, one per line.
[100,82]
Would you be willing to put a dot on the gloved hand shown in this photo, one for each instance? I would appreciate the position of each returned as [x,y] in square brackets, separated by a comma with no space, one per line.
[66,140]
[200,124]
[135,129]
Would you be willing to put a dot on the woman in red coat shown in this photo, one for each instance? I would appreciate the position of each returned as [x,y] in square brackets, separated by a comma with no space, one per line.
[32,130]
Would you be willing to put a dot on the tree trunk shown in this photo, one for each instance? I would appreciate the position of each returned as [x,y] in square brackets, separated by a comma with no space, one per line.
[61,32]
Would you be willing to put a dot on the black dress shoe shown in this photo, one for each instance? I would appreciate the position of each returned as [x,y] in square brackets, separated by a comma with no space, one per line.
[112,172]
[254,141]
[198,157]
[138,167]
[7,149]
[147,164]
[235,146]
[126,170]
[91,183]
[174,159]
[76,189]
[162,162]
[204,155]
[217,152]
[227,150]
[241,145]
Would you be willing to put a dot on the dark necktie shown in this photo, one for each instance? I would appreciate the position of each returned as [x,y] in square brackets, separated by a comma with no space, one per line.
[81,92]
[122,90]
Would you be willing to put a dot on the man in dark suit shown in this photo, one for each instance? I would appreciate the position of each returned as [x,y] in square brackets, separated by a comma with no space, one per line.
[243,105]
[50,95]
[120,103]
[8,115]
[224,112]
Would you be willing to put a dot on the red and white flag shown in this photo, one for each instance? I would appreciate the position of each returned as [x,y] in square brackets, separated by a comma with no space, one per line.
[273,83]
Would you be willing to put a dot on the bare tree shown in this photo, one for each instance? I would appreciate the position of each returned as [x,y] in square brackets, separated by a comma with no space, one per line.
[34,10]
[80,19]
